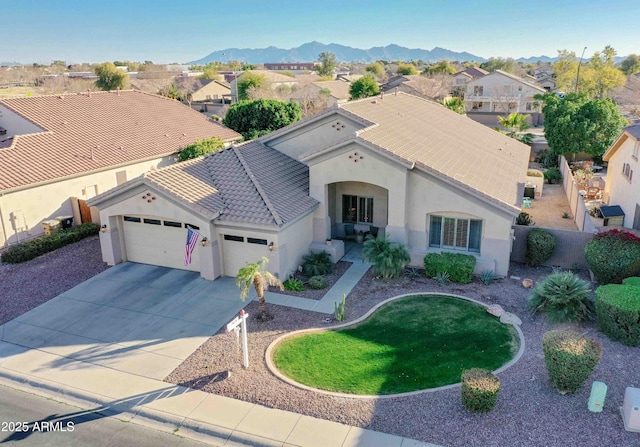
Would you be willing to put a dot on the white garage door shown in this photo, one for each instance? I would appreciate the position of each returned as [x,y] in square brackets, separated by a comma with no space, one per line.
[239,251]
[158,241]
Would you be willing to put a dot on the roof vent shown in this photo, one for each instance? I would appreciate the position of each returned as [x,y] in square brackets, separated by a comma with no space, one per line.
[395,91]
[89,93]
[375,101]
[381,96]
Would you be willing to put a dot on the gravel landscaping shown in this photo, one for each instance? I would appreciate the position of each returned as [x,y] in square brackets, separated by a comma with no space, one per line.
[529,411]
[29,284]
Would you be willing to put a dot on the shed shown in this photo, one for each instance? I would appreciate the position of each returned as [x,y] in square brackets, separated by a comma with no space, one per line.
[613,215]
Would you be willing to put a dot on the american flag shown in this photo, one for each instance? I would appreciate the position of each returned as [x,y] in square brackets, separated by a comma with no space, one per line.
[192,240]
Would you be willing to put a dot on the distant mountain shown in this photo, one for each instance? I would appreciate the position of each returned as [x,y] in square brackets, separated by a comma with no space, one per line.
[534,59]
[10,64]
[309,52]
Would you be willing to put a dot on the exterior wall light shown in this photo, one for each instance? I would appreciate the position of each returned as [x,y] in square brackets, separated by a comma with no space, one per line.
[103,228]
[271,246]
[204,241]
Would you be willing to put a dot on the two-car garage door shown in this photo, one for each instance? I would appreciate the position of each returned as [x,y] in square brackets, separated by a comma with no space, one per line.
[158,241]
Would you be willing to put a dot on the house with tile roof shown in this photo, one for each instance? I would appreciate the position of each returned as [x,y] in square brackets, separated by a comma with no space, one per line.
[396,165]
[619,190]
[58,151]
[503,93]
[273,79]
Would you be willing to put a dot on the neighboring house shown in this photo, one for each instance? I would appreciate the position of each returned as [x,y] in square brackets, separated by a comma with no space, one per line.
[274,79]
[547,82]
[436,87]
[623,175]
[461,78]
[204,89]
[339,91]
[542,71]
[291,66]
[61,150]
[414,171]
[503,93]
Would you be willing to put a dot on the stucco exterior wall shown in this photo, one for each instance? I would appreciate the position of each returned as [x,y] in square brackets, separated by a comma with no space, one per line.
[619,189]
[212,90]
[498,88]
[295,241]
[16,124]
[22,212]
[315,135]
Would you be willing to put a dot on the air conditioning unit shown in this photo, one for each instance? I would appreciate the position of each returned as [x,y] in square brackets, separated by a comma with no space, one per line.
[631,409]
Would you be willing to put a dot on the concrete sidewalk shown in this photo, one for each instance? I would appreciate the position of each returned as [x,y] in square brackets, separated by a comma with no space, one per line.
[190,413]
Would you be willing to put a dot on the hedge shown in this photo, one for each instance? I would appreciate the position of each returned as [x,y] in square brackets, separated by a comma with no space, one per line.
[613,256]
[618,311]
[458,266]
[479,390]
[45,244]
[540,246]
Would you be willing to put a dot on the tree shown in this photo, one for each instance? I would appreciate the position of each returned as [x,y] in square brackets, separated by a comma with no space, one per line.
[598,76]
[579,124]
[249,80]
[364,87]
[441,67]
[516,124]
[260,117]
[498,63]
[631,65]
[406,69]
[454,104]
[376,69]
[200,148]
[256,275]
[110,78]
[328,63]
[605,75]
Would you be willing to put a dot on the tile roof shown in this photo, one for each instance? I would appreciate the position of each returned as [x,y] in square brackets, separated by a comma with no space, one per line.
[271,76]
[84,133]
[446,144]
[633,130]
[339,89]
[516,78]
[474,72]
[250,184]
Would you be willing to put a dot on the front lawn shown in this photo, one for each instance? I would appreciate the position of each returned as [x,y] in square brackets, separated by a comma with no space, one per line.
[413,343]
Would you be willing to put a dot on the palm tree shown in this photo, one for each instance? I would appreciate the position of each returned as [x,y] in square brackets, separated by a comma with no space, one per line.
[514,122]
[256,274]
[456,104]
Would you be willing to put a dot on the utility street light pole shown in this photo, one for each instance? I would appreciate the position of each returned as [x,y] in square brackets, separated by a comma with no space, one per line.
[579,64]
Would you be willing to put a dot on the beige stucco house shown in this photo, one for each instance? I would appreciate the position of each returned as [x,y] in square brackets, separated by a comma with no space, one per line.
[502,92]
[206,89]
[416,172]
[622,157]
[58,151]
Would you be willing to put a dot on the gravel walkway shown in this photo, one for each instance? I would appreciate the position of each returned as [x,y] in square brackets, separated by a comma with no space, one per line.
[27,285]
[529,411]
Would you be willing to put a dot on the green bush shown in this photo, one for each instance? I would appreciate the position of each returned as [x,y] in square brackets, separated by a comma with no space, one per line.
[487,277]
[294,285]
[563,296]
[524,219]
[632,281]
[458,266]
[479,390]
[388,259]
[570,359]
[618,310]
[317,264]
[317,282]
[200,148]
[553,175]
[613,256]
[540,246]
[45,244]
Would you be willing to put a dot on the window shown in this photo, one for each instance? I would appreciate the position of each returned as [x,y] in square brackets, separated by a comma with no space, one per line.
[121,177]
[132,219]
[478,90]
[529,106]
[456,234]
[193,227]
[253,240]
[151,221]
[230,237]
[636,149]
[476,106]
[168,223]
[627,171]
[357,209]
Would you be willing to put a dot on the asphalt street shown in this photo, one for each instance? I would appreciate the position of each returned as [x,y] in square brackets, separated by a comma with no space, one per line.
[30,420]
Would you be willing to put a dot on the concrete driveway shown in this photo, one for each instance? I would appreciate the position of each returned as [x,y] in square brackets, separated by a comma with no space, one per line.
[135,318]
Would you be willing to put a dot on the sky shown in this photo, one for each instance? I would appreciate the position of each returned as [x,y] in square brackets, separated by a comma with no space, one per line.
[180,31]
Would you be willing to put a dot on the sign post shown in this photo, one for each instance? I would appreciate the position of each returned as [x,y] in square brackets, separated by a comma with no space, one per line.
[241,320]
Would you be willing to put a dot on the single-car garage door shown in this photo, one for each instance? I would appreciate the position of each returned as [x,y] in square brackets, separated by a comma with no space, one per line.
[156,241]
[239,251]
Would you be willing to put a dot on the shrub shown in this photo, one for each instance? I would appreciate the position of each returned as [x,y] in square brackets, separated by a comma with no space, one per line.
[317,282]
[294,285]
[563,296]
[458,266]
[317,264]
[45,244]
[200,148]
[442,278]
[339,308]
[553,175]
[613,256]
[487,277]
[618,310]
[524,219]
[388,259]
[570,359]
[632,281]
[540,246]
[479,390]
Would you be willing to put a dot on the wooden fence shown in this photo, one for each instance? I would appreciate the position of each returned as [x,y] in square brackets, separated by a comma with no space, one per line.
[576,203]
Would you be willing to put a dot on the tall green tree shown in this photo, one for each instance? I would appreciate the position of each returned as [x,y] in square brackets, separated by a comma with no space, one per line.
[249,80]
[631,65]
[406,69]
[364,87]
[455,104]
[598,75]
[376,69]
[443,66]
[200,148]
[255,275]
[110,78]
[497,63]
[260,117]
[579,124]
[328,63]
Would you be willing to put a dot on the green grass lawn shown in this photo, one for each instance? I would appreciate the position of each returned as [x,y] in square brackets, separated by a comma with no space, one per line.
[410,344]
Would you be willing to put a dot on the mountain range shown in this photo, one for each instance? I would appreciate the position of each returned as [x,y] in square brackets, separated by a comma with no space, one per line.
[309,52]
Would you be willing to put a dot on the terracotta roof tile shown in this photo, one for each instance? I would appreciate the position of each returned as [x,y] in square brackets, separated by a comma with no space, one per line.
[84,133]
